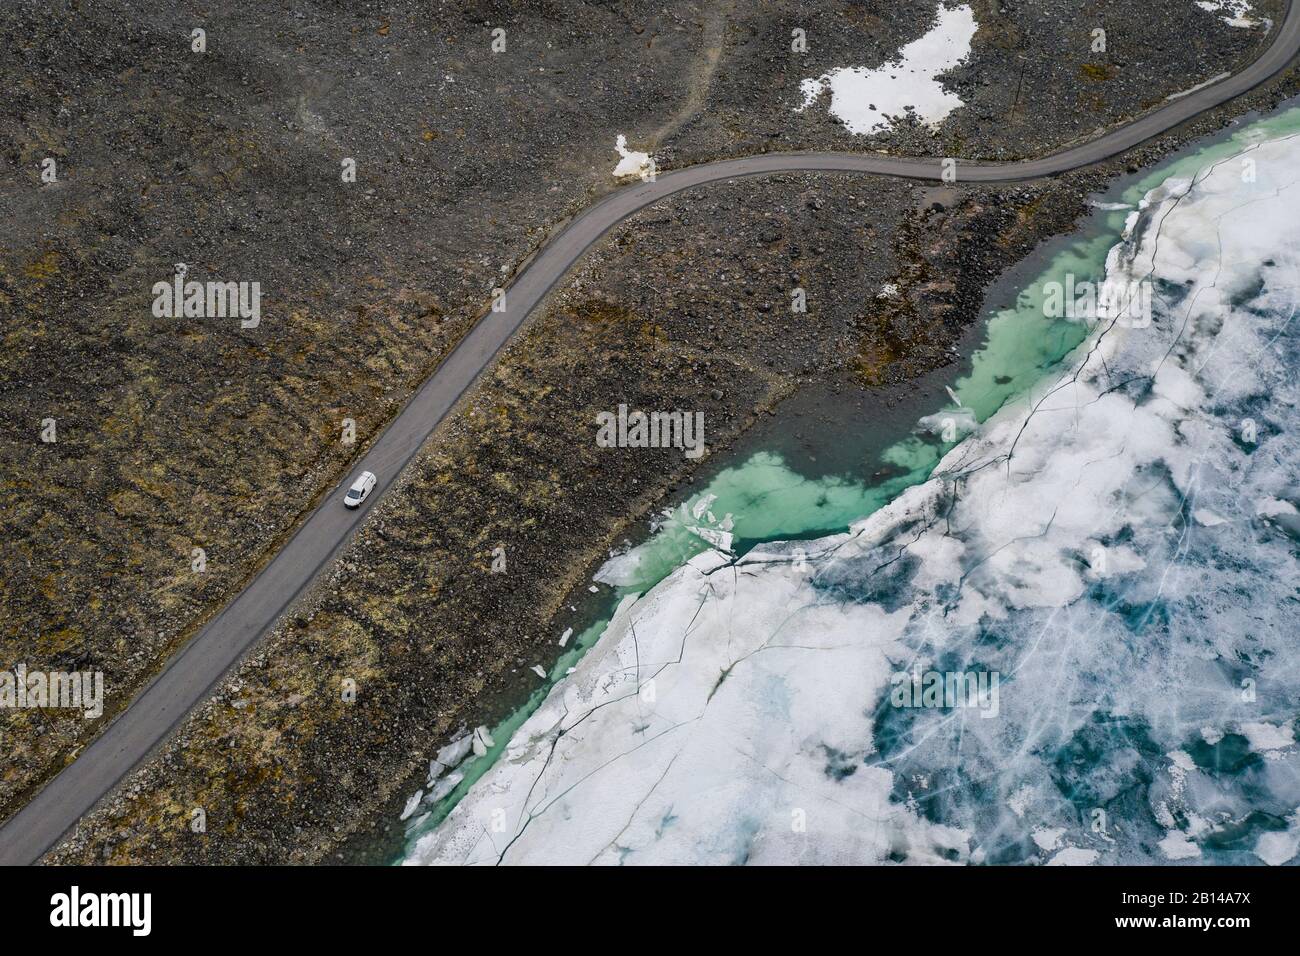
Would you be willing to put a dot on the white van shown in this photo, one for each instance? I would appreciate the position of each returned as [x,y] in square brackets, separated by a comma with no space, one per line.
[360,489]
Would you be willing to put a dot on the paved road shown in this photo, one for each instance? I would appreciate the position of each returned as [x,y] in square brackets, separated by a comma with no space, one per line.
[193,673]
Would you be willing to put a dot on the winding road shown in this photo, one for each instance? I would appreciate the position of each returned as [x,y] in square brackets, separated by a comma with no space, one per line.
[194,673]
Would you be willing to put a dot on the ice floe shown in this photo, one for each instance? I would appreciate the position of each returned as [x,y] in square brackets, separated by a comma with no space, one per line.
[1278,847]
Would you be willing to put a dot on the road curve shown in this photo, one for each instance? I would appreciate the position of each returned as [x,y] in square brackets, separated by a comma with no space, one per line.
[193,673]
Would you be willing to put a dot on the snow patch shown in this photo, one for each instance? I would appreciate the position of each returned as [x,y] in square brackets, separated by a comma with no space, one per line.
[633,163]
[870,100]
[1231,12]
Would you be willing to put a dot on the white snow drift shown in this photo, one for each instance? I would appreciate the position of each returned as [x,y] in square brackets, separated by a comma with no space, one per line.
[869,100]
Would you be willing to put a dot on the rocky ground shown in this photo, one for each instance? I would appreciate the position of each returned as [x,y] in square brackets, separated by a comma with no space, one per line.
[181,434]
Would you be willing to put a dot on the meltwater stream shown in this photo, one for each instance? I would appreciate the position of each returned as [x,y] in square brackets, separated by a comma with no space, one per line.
[1106,545]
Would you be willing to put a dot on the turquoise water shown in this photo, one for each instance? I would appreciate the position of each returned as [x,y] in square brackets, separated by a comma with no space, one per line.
[767,498]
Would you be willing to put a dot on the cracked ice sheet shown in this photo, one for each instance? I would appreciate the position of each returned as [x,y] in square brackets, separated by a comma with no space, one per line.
[1054,546]
[613,778]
